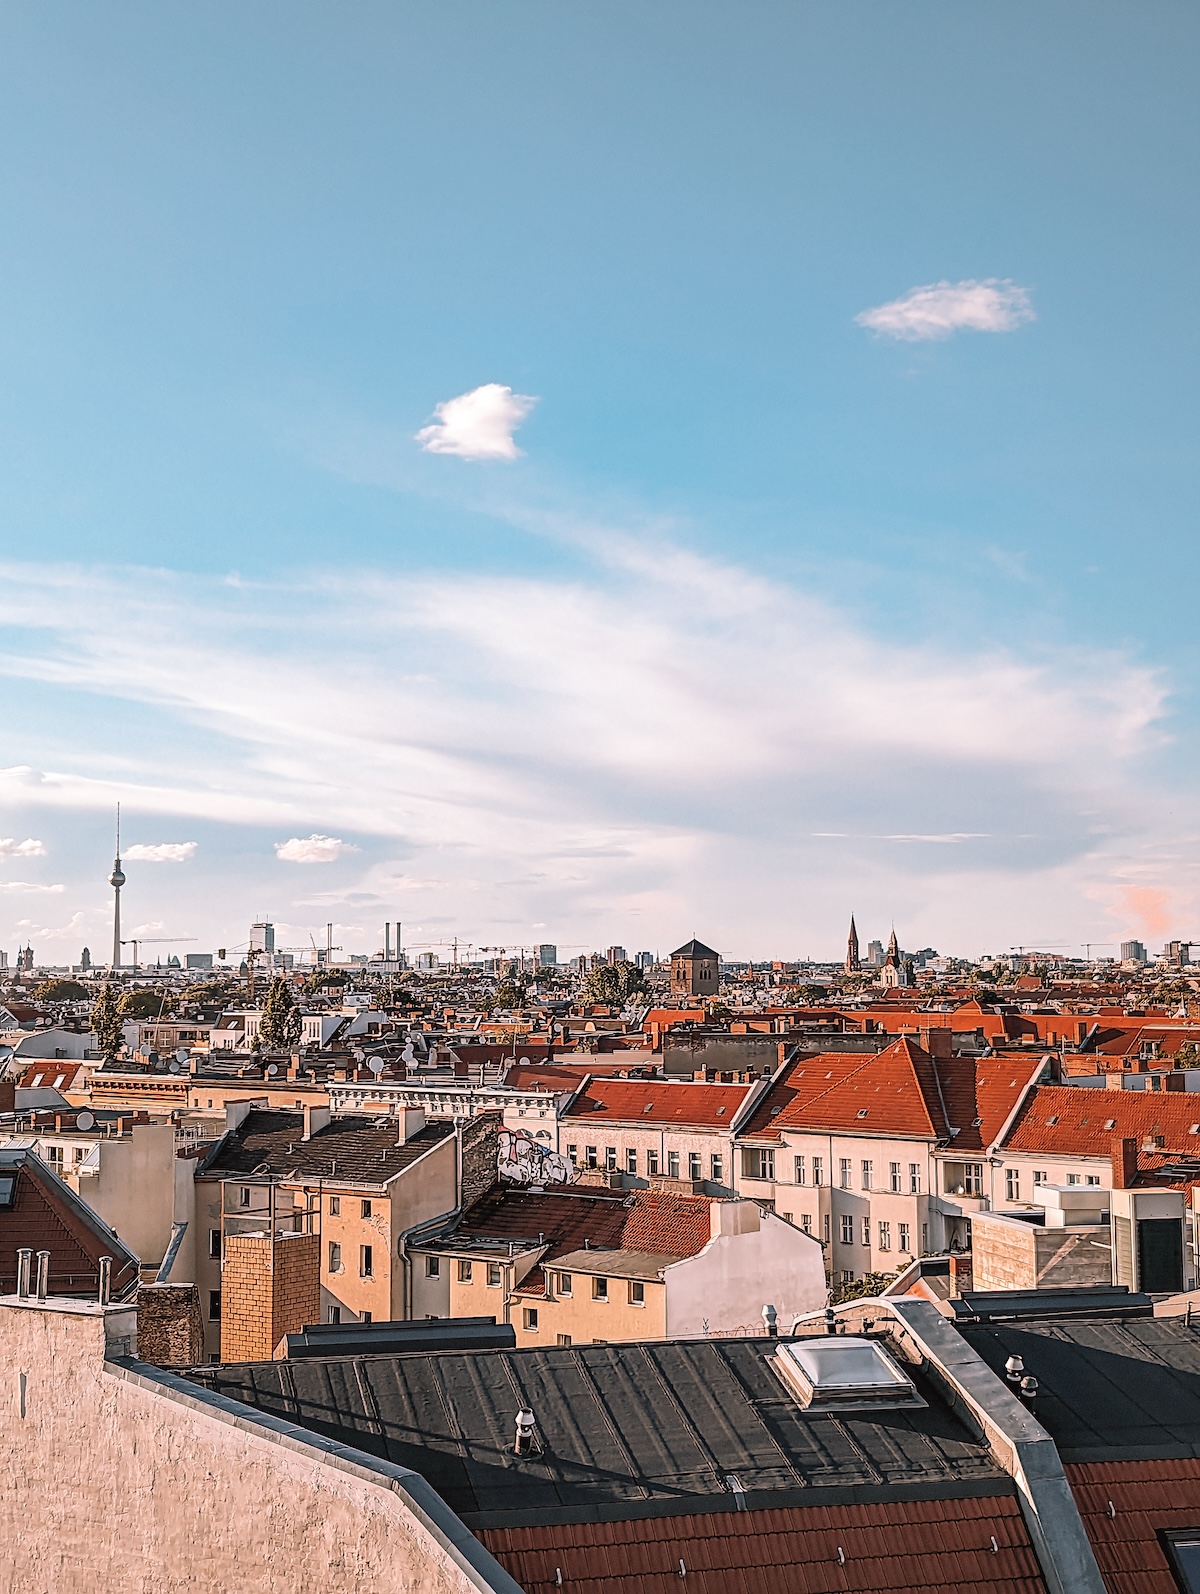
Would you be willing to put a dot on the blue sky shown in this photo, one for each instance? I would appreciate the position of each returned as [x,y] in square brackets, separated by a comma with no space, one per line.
[771,613]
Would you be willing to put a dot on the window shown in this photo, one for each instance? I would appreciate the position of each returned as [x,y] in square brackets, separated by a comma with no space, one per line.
[494,1275]
[335,1314]
[573,1153]
[972,1178]
[924,1238]
[630,1160]
[717,1169]
[1012,1184]
[652,1164]
[847,1229]
[800,1170]
[914,1178]
[694,1169]
[366,1209]
[844,1173]
[610,1158]
[214,1242]
[599,1289]
[1072,1178]
[786,1216]
[564,1339]
[867,1174]
[637,1293]
[757,1164]
[243,1196]
[529,1319]
[894,1171]
[335,1206]
[365,1318]
[464,1272]
[866,1231]
[565,1283]
[847,1276]
[885,1236]
[818,1166]
[335,1257]
[214,1306]
[1183,1551]
[806,1222]
[1092,1178]
[905,1245]
[593,1156]
[672,1165]
[1039,1176]
[433,1267]
[366,1261]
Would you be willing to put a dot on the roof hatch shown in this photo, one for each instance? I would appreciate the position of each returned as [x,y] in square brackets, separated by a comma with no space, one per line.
[836,1372]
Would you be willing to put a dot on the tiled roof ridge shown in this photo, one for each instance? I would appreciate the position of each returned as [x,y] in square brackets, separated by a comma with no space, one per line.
[868,1060]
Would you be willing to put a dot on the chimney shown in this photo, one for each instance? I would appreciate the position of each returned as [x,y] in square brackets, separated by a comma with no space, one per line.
[411,1120]
[1124,1163]
[315,1119]
[236,1112]
[936,1040]
[728,1218]
[8,1095]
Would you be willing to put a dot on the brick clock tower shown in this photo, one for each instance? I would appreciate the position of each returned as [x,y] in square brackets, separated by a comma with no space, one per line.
[695,970]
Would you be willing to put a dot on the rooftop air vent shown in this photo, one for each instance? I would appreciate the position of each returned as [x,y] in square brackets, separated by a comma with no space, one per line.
[836,1373]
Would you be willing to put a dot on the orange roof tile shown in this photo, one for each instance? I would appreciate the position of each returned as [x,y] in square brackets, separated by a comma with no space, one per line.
[652,1101]
[1074,1120]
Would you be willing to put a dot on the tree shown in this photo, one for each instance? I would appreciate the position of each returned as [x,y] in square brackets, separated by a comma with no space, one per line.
[146,1003]
[804,995]
[106,1023]
[282,1025]
[870,1284]
[614,983]
[60,991]
[323,979]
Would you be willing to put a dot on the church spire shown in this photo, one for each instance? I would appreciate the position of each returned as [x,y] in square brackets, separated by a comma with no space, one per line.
[852,964]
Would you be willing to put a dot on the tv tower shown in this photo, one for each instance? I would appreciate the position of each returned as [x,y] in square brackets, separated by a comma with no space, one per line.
[116,880]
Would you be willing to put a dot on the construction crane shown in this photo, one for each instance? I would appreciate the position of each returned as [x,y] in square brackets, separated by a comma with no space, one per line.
[1088,945]
[152,940]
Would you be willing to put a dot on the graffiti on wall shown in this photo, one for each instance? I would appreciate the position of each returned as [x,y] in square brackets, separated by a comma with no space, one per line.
[524,1160]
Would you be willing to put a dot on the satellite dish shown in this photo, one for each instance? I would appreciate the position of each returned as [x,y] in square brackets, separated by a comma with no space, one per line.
[359,1055]
[376,1065]
[85,1120]
[524,1062]
[183,1055]
[272,1070]
[172,1067]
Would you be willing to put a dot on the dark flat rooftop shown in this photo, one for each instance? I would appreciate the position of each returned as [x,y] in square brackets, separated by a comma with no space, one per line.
[1109,1389]
[632,1430]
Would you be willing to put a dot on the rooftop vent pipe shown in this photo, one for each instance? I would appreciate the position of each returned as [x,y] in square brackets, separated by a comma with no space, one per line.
[24,1272]
[106,1263]
[525,1427]
[1014,1368]
[43,1274]
[770,1320]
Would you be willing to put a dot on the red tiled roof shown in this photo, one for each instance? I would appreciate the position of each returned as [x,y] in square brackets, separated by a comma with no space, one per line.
[886,1545]
[894,1091]
[708,1106]
[651,1221]
[1146,1496]
[1074,1120]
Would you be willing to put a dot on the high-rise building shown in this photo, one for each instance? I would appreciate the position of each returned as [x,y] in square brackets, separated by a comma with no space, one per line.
[644,960]
[1133,952]
[547,955]
[616,954]
[262,935]
[874,953]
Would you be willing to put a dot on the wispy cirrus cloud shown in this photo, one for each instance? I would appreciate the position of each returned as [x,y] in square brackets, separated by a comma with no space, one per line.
[477,425]
[939,309]
[312,849]
[160,852]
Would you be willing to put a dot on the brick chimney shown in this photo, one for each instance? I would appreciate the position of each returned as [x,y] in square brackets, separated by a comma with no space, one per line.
[8,1095]
[937,1041]
[1124,1163]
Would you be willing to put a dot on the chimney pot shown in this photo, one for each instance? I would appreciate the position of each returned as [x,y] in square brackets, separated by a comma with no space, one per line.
[1124,1163]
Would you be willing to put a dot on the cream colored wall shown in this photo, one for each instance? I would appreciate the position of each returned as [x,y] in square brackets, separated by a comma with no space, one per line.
[582,1134]
[578,1314]
[723,1289]
[107,1482]
[134,1188]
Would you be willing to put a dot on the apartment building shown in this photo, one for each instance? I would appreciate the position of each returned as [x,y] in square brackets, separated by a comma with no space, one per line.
[882,1157]
[596,1266]
[650,1129]
[359,1184]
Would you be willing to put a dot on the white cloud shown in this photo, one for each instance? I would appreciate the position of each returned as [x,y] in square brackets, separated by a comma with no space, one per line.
[160,852]
[477,425]
[29,848]
[939,309]
[25,888]
[312,849]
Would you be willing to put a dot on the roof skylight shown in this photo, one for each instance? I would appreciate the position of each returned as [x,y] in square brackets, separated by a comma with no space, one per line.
[836,1372]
